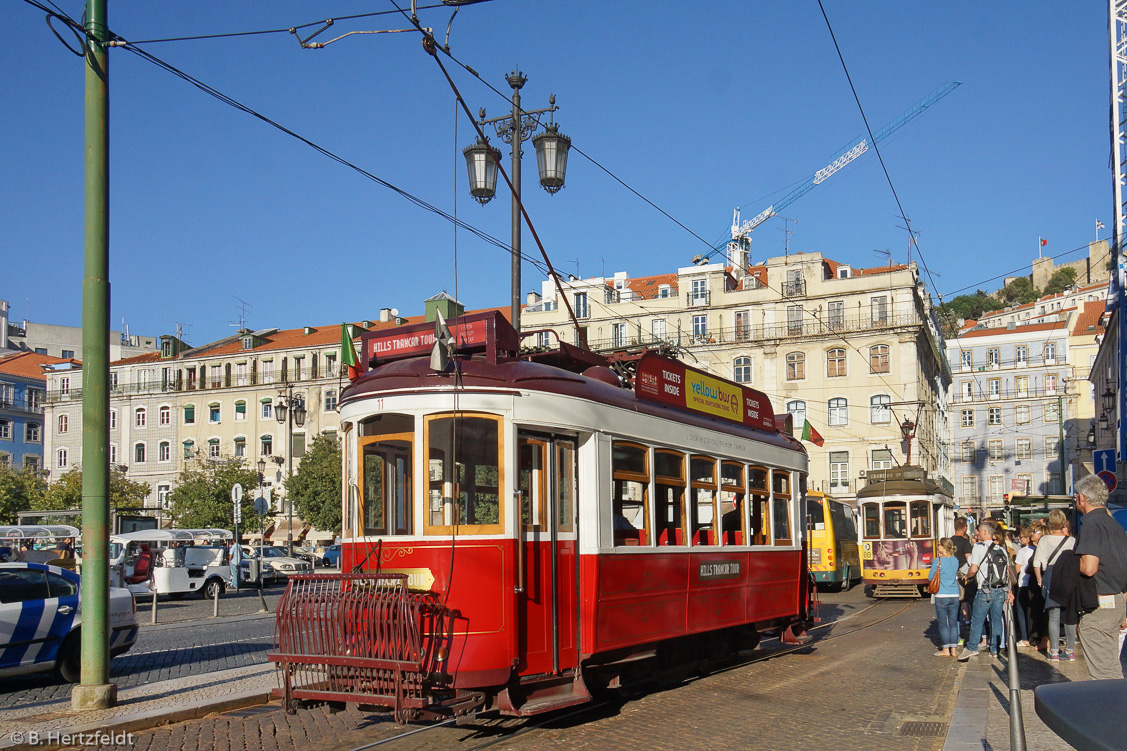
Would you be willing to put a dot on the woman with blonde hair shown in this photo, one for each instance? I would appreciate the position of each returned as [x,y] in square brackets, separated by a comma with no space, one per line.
[1048,550]
[947,598]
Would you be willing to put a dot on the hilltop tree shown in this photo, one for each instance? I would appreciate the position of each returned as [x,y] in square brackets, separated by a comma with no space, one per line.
[965,306]
[202,496]
[1060,281]
[315,485]
[1019,292]
[20,490]
[66,492]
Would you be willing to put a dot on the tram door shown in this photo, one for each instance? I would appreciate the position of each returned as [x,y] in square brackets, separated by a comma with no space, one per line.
[547,607]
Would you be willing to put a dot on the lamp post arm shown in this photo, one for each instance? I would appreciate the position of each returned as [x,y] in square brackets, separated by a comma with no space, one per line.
[429,46]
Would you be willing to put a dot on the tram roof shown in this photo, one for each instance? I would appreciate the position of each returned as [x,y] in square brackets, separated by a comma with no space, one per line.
[901,487]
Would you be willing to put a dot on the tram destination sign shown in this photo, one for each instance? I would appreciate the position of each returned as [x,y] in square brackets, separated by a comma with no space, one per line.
[477,332]
[717,570]
[674,384]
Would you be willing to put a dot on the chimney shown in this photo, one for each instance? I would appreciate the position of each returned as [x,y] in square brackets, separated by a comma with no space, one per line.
[385,315]
[532,299]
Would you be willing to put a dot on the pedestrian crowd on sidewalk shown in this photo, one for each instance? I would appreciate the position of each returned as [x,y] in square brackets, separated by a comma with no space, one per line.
[1050,578]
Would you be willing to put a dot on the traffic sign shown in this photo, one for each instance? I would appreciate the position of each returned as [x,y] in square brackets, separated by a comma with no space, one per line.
[237,499]
[1108,478]
[261,506]
[1104,460]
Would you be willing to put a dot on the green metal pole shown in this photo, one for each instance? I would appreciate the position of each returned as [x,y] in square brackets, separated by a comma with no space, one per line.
[1060,440]
[95,690]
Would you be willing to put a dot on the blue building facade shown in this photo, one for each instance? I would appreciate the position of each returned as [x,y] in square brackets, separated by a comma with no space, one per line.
[21,411]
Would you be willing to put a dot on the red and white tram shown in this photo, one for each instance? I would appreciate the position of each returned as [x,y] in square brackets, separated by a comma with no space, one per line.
[520,530]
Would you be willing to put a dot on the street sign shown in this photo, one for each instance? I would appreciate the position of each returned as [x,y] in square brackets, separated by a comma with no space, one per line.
[237,498]
[1108,478]
[261,506]
[1104,460]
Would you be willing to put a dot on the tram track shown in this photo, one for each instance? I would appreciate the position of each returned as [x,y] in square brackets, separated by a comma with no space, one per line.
[504,729]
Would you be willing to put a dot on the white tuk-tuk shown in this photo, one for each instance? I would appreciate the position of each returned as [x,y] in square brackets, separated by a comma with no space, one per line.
[174,562]
[39,543]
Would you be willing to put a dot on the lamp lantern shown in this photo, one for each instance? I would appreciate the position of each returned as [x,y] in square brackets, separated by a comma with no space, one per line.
[1109,399]
[551,157]
[481,164]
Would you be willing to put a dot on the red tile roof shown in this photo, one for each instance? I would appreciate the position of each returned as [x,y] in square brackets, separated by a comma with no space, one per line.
[1088,320]
[29,364]
[1026,329]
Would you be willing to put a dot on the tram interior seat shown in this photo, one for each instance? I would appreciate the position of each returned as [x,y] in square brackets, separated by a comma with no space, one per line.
[623,537]
[703,536]
[733,537]
[669,536]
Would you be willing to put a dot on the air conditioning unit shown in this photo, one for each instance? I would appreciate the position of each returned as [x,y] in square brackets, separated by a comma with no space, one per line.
[862,473]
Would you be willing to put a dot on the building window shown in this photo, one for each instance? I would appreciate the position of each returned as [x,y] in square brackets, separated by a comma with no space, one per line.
[1024,484]
[994,388]
[699,295]
[33,433]
[139,453]
[140,417]
[68,354]
[658,329]
[330,400]
[63,424]
[267,445]
[34,398]
[797,409]
[241,374]
[994,416]
[162,495]
[664,291]
[582,310]
[6,394]
[31,462]
[966,418]
[839,470]
[240,447]
[267,371]
[1022,414]
[213,412]
[113,419]
[1024,448]
[743,325]
[700,327]
[1021,385]
[189,448]
[839,411]
[994,450]
[1021,355]
[1052,413]
[1051,445]
[298,361]
[741,370]
[5,430]
[882,459]
[240,411]
[794,319]
[796,366]
[164,417]
[164,451]
[879,307]
[997,488]
[298,445]
[880,411]
[1050,351]
[61,458]
[878,359]
[966,388]
[968,359]
[618,334]
[993,358]
[267,410]
[968,451]
[64,385]
[835,363]
[835,315]
[970,491]
[213,448]
[1050,383]
[113,453]
[189,414]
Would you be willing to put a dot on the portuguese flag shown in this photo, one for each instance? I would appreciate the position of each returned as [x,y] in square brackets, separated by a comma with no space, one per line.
[348,352]
[809,434]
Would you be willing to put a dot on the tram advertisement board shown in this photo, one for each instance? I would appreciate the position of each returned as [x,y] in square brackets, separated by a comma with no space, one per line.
[665,381]
[897,555]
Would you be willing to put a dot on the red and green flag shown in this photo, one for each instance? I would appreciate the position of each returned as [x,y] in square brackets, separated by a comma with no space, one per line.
[348,352]
[809,434]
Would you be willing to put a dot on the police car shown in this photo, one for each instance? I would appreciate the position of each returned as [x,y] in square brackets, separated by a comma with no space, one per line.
[39,620]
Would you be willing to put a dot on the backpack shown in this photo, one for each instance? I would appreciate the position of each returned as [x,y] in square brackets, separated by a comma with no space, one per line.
[995,562]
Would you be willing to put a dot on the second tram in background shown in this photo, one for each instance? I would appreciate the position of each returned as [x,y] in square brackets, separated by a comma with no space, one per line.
[904,514]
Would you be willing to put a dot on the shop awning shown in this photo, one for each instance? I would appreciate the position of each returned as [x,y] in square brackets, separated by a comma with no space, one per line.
[281,531]
[316,535]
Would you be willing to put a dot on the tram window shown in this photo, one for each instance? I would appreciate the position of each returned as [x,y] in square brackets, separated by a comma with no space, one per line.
[669,503]
[702,500]
[921,519]
[565,486]
[759,508]
[386,485]
[733,523]
[629,509]
[781,521]
[464,474]
[895,520]
[871,513]
[533,461]
[384,424]
[781,482]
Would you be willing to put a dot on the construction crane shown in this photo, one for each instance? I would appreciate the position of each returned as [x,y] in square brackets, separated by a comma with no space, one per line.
[741,232]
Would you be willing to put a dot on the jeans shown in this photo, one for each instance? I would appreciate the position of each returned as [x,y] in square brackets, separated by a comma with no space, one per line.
[947,614]
[987,601]
[1054,632]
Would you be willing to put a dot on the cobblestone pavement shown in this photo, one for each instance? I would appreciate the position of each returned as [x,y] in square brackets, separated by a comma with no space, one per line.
[849,688]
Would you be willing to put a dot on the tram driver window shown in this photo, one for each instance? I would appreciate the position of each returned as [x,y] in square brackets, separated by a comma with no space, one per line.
[464,474]
[780,483]
[921,519]
[895,520]
[871,512]
[631,476]
[669,501]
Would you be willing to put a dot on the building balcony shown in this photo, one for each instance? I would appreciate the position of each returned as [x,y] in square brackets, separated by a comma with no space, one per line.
[34,407]
[795,288]
[698,299]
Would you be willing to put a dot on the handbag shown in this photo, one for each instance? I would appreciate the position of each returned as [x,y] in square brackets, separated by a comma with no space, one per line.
[933,582]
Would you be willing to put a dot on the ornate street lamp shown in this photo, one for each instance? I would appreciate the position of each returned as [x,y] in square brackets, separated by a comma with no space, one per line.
[1103,421]
[1108,399]
[288,410]
[551,157]
[1091,435]
[481,164]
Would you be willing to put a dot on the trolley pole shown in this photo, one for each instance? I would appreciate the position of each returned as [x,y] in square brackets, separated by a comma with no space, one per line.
[95,691]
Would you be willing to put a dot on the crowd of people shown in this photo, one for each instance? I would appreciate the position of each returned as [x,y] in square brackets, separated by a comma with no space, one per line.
[1049,577]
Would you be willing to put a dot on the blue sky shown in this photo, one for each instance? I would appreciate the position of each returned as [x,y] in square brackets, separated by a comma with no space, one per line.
[700,107]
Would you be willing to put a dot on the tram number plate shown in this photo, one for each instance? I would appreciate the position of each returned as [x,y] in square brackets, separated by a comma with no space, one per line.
[713,570]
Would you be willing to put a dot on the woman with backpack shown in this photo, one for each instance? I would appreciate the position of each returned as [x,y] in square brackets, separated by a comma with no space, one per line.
[1048,551]
[990,566]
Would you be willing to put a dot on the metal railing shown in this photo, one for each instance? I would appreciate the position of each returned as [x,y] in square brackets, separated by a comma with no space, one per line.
[179,385]
[30,406]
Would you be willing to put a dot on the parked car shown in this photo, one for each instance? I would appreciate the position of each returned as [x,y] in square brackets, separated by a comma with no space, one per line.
[332,556]
[284,566]
[40,620]
[310,556]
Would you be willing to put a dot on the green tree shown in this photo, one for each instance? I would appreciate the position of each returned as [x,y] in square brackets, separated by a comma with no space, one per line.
[20,490]
[966,307]
[315,485]
[1019,292]
[66,492]
[202,496]
[1060,281]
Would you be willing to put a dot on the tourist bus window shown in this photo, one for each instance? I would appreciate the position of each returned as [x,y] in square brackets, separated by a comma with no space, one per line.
[921,519]
[631,481]
[464,474]
[733,523]
[780,517]
[871,512]
[759,505]
[702,500]
[895,520]
[669,503]
[815,515]
[386,487]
